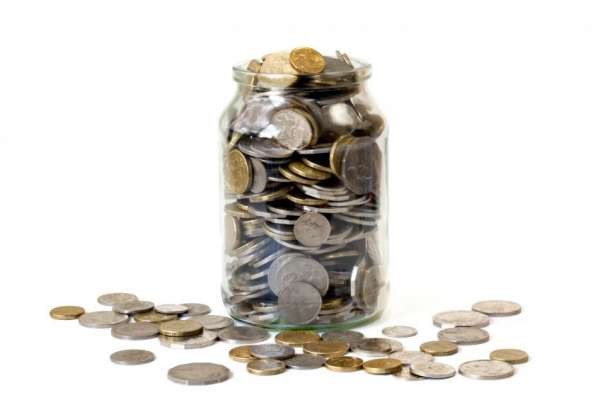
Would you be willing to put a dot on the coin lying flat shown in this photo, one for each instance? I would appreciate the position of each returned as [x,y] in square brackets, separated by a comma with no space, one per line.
[382,366]
[265,367]
[399,331]
[102,319]
[344,364]
[213,322]
[439,348]
[374,347]
[133,307]
[110,299]
[305,361]
[299,303]
[241,354]
[196,309]
[349,337]
[464,335]
[511,356]
[274,351]
[432,370]
[207,338]
[132,357]
[199,374]
[411,357]
[452,319]
[497,308]
[243,334]
[135,331]
[326,349]
[306,60]
[180,328]
[67,312]
[486,369]
[174,309]
[297,338]
[153,317]
[312,229]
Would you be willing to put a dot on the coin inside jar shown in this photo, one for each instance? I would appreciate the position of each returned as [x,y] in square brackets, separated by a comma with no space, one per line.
[293,128]
[238,172]
[312,229]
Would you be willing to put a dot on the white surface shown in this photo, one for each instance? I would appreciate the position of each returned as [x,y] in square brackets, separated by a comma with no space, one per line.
[108,180]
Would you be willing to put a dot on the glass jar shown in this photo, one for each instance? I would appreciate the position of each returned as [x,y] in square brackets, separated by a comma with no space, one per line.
[305,198]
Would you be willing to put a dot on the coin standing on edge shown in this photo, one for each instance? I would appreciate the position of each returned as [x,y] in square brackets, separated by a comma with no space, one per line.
[199,373]
[132,357]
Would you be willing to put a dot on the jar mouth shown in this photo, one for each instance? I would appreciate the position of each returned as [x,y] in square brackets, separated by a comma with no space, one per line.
[359,72]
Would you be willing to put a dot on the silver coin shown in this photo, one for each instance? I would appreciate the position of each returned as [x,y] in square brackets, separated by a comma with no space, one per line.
[255,116]
[242,309]
[356,221]
[298,268]
[464,335]
[265,306]
[135,331]
[263,318]
[132,357]
[312,229]
[359,165]
[102,319]
[243,334]
[199,374]
[349,337]
[233,232]
[110,299]
[368,285]
[432,370]
[452,319]
[133,307]
[272,351]
[341,116]
[305,361]
[292,128]
[374,347]
[196,309]
[213,322]
[259,176]
[497,308]
[206,339]
[399,331]
[486,369]
[407,375]
[395,345]
[171,309]
[411,357]
[321,148]
[299,303]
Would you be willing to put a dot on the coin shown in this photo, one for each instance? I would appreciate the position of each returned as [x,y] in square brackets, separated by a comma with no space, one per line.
[265,367]
[372,347]
[276,71]
[196,309]
[497,308]
[233,233]
[259,176]
[199,373]
[411,357]
[186,327]
[271,350]
[486,369]
[295,267]
[305,361]
[110,299]
[207,338]
[132,357]
[344,364]
[326,349]
[439,348]
[358,165]
[213,322]
[511,356]
[452,319]
[349,337]
[241,354]
[405,374]
[337,150]
[399,331]
[133,307]
[297,338]
[67,312]
[102,319]
[464,335]
[432,370]
[312,229]
[299,303]
[293,128]
[243,334]
[238,172]
[300,168]
[153,317]
[135,331]
[382,366]
[307,61]
[174,309]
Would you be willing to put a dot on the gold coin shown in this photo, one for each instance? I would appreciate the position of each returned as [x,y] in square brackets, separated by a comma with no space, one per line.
[238,172]
[330,304]
[297,338]
[300,168]
[67,312]
[439,348]
[153,317]
[382,366]
[327,349]
[180,328]
[305,200]
[241,354]
[296,178]
[307,61]
[266,367]
[344,364]
[270,196]
[511,356]
[337,151]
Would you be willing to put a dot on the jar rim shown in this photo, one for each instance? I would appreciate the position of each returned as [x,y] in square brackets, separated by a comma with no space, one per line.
[360,72]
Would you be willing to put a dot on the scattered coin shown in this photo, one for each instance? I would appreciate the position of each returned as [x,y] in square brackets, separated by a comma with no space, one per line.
[241,354]
[439,348]
[326,349]
[307,61]
[297,338]
[175,309]
[102,319]
[312,229]
[432,370]
[382,366]
[405,374]
[464,335]
[212,322]
[374,347]
[132,357]
[299,303]
[344,364]
[265,367]
[67,312]
[486,369]
[110,299]
[180,328]
[274,351]
[133,307]
[153,317]
[497,308]
[199,373]
[349,337]
[511,356]
[207,338]
[135,331]
[411,357]
[452,319]
[196,309]
[243,334]
[399,331]
[305,361]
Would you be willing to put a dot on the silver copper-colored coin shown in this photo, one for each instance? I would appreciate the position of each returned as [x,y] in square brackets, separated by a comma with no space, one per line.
[411,357]
[272,351]
[305,361]
[432,370]
[299,303]
[135,331]
[399,331]
[243,334]
[199,374]
[452,319]
[464,335]
[207,338]
[132,357]
[133,307]
[172,309]
[312,229]
[110,299]
[497,308]
[486,369]
[213,322]
[102,319]
[349,337]
[196,309]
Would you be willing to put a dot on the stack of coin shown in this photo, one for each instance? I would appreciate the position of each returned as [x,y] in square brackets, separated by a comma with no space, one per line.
[304,199]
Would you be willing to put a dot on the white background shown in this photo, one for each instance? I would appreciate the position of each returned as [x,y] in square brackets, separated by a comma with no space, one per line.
[109,180]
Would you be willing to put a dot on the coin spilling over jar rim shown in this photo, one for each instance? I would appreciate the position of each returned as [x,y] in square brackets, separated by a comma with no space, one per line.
[305,200]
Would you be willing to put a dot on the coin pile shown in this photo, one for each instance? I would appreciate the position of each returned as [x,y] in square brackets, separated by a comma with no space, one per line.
[303,173]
